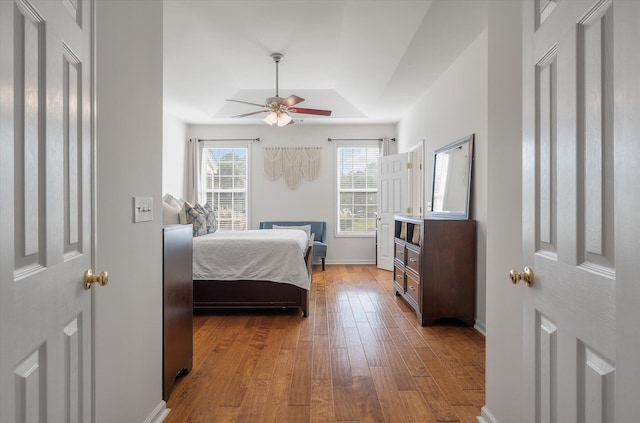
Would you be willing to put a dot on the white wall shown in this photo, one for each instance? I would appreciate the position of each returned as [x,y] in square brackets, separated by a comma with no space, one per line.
[456,106]
[315,200]
[504,376]
[174,153]
[128,311]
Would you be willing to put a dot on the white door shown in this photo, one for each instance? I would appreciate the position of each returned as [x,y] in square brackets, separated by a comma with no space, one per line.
[571,218]
[46,210]
[392,200]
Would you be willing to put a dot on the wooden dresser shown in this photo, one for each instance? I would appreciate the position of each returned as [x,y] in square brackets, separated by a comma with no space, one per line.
[435,267]
[177,336]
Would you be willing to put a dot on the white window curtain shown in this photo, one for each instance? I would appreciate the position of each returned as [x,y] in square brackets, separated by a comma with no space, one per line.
[389,146]
[194,172]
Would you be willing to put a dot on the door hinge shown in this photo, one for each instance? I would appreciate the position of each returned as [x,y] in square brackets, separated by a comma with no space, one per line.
[409,210]
[409,165]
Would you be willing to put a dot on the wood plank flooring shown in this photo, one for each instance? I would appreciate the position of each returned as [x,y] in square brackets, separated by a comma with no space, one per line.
[360,356]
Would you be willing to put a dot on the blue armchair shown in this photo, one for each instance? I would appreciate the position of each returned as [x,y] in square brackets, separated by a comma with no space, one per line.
[319,229]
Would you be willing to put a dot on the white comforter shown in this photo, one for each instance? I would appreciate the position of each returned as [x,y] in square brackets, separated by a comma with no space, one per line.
[275,255]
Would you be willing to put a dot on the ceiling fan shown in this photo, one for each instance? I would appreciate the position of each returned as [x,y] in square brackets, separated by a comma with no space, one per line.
[280,108]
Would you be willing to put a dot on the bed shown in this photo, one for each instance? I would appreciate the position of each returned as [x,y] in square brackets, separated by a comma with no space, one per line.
[252,269]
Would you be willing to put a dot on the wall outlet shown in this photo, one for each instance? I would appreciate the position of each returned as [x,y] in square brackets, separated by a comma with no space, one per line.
[142,209]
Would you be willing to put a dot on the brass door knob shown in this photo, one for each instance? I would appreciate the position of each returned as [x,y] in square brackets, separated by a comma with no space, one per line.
[526,276]
[89,278]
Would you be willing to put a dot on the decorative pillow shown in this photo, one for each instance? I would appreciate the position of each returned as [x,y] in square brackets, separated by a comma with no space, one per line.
[210,217]
[183,212]
[196,219]
[179,203]
[305,228]
[168,198]
[170,214]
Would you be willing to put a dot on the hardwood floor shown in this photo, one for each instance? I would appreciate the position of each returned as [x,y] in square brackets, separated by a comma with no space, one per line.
[360,356]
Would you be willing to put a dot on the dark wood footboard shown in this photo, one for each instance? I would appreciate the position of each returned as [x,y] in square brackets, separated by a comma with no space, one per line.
[213,294]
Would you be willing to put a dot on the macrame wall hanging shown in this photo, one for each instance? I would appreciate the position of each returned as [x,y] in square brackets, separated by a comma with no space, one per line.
[294,163]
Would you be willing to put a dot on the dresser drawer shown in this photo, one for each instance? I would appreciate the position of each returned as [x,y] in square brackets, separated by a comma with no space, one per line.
[399,252]
[398,276]
[413,260]
[413,287]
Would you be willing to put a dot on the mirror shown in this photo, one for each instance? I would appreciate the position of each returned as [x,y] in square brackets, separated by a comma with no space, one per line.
[451,191]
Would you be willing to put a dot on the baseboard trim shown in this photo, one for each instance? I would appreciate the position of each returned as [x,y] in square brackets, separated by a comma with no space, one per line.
[480,328]
[158,414]
[486,416]
[350,262]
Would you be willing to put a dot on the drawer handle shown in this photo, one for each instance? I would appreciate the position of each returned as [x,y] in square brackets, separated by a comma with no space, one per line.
[413,288]
[401,253]
[412,260]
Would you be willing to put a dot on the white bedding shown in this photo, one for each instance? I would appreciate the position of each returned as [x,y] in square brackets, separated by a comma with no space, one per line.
[275,255]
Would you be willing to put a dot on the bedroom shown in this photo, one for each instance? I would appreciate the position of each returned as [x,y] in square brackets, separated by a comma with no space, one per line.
[456,84]
[129,139]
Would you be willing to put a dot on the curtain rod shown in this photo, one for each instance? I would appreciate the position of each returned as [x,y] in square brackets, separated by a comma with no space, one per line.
[358,139]
[231,139]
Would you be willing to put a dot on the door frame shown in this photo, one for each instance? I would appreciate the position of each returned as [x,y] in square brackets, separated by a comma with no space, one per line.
[94,201]
[627,223]
[417,175]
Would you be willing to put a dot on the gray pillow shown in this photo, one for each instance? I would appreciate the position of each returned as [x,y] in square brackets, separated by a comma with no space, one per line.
[305,228]
[170,214]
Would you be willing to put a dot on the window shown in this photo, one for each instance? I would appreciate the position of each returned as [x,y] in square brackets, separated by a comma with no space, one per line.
[225,169]
[357,188]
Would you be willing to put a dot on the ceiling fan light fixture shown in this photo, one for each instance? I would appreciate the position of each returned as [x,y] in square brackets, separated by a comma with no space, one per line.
[271,118]
[284,119]
[279,108]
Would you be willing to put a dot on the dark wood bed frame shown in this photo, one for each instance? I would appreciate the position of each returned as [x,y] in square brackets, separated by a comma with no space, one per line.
[212,294]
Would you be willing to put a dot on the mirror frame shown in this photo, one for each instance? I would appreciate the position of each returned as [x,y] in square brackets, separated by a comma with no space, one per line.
[464,215]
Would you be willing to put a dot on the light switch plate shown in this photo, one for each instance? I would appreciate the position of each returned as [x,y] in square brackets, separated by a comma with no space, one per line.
[142,209]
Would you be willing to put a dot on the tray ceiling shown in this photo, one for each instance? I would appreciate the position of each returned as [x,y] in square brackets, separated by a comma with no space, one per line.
[368,61]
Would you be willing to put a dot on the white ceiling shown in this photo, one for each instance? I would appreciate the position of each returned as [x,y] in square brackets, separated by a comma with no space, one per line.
[366,60]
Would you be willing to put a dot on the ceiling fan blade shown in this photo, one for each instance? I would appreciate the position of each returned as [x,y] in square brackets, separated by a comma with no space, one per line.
[292,100]
[311,111]
[249,114]
[244,102]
